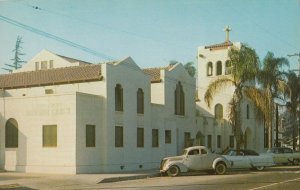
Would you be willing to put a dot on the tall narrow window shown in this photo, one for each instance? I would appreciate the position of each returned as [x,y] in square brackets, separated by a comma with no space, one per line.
[179,100]
[168,137]
[49,136]
[208,141]
[219,141]
[219,111]
[209,69]
[187,139]
[228,67]
[155,142]
[248,111]
[140,137]
[119,136]
[11,133]
[118,98]
[140,101]
[219,68]
[90,136]
[231,141]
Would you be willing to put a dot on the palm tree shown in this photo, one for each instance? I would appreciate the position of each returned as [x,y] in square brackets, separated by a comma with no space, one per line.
[245,64]
[293,92]
[271,83]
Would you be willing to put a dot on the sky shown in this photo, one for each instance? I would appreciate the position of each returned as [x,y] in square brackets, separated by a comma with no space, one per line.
[152,32]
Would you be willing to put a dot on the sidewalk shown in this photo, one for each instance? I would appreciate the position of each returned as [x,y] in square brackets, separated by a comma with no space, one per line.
[37,181]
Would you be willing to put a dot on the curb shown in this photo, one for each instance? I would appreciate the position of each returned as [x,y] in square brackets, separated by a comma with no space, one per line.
[127,178]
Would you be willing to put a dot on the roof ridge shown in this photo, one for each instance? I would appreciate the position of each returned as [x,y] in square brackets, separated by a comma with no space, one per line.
[165,67]
[74,59]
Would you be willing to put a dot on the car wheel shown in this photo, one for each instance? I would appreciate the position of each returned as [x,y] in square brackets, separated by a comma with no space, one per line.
[220,168]
[173,171]
[260,168]
[295,161]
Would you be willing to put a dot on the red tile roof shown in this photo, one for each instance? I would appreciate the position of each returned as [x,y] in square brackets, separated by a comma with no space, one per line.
[155,73]
[65,75]
[219,46]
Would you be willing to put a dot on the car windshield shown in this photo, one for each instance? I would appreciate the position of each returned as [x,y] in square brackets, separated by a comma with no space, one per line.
[231,153]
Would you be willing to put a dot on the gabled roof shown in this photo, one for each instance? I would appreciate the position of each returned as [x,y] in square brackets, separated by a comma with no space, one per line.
[223,45]
[64,75]
[155,73]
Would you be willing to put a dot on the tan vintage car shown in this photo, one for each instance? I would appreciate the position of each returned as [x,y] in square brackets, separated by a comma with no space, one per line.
[196,158]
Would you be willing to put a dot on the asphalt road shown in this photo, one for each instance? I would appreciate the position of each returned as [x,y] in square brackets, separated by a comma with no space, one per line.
[281,178]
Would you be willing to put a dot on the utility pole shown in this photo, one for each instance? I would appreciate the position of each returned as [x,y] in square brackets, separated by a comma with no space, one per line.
[17,53]
[277,123]
[297,55]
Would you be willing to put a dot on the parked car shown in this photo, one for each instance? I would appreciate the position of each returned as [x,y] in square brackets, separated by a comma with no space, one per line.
[249,159]
[284,155]
[196,158]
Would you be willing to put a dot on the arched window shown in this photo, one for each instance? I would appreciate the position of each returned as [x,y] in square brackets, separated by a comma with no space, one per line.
[118,98]
[219,68]
[140,101]
[228,67]
[219,111]
[209,69]
[11,133]
[248,111]
[179,100]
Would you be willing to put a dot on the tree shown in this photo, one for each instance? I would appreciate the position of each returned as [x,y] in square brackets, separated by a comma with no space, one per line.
[293,93]
[271,83]
[189,66]
[17,53]
[245,64]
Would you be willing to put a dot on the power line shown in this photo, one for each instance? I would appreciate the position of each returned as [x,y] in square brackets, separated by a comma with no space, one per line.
[56,38]
[107,27]
[279,37]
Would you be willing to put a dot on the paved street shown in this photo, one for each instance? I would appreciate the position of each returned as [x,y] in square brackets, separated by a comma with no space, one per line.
[287,177]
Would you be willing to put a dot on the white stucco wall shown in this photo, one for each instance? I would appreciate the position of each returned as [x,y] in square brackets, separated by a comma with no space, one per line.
[32,113]
[129,156]
[89,111]
[158,92]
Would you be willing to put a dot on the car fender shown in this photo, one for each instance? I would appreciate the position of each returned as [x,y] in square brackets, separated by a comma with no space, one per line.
[221,159]
[181,166]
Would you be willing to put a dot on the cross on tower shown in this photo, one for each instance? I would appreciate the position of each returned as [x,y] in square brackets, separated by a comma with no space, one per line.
[227,30]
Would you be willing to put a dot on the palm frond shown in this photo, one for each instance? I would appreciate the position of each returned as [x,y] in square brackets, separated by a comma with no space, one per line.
[215,87]
[258,98]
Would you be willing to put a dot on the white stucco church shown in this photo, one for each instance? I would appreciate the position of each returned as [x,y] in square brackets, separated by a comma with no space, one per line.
[63,115]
